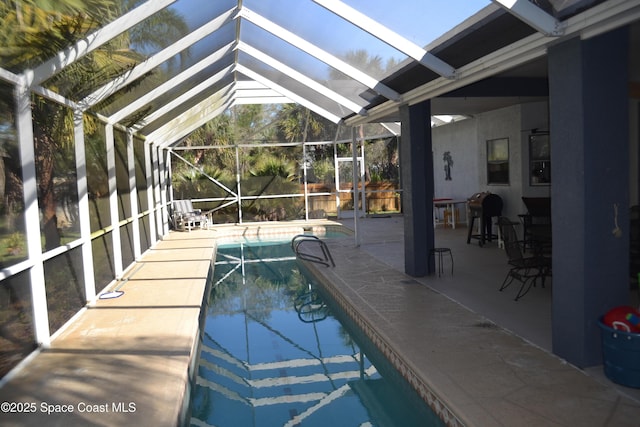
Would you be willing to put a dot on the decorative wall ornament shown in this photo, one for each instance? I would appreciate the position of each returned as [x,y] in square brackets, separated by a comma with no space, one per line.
[448,163]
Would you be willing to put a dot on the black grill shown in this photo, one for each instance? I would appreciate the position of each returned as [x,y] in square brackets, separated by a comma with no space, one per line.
[483,206]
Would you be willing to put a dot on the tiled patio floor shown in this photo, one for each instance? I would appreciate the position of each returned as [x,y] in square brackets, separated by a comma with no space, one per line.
[447,334]
[123,361]
[485,374]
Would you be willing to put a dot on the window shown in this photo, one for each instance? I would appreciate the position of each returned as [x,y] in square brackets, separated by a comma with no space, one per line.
[498,161]
[539,159]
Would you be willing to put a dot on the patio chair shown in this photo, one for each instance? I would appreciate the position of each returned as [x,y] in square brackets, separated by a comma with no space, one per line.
[537,223]
[526,270]
[186,217]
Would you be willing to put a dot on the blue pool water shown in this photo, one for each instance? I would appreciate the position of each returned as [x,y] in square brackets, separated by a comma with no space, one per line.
[274,353]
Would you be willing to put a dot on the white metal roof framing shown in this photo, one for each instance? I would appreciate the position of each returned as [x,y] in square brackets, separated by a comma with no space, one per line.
[173,82]
[174,130]
[158,59]
[184,97]
[97,39]
[211,27]
[525,10]
[319,53]
[283,94]
[192,119]
[313,50]
[252,92]
[287,93]
[261,88]
[300,77]
[380,31]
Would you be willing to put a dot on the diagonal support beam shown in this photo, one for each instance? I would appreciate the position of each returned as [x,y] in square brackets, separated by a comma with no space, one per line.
[301,78]
[96,39]
[184,97]
[157,59]
[537,18]
[192,119]
[285,92]
[209,177]
[10,77]
[171,83]
[388,36]
[315,51]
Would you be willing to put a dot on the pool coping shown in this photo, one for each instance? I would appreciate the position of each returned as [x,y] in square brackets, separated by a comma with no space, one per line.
[383,344]
[126,360]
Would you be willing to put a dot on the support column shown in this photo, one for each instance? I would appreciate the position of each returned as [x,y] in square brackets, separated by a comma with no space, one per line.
[416,165]
[162,228]
[133,196]
[588,87]
[148,169]
[24,128]
[164,168]
[84,213]
[113,201]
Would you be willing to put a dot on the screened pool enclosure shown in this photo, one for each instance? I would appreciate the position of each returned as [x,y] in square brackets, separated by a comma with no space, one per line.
[104,123]
[128,191]
[256,110]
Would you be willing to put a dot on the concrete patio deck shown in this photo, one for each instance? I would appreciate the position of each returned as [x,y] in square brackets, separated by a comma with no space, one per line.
[126,361]
[454,351]
[122,361]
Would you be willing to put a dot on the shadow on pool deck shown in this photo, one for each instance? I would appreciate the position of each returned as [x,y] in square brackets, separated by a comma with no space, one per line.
[121,361]
[460,340]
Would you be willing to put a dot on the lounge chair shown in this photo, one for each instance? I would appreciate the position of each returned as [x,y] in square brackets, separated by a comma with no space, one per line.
[186,217]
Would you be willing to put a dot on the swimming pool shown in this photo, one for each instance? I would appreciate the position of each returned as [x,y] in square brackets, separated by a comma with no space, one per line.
[276,352]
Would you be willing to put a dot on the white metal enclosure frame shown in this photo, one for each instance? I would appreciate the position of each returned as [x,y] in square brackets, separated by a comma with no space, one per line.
[238,83]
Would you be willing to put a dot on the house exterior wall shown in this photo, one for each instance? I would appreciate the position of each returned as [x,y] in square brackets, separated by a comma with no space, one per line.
[466,142]
[460,140]
[534,116]
[503,123]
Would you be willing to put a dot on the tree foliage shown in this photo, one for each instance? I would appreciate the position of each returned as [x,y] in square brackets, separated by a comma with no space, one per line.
[34,31]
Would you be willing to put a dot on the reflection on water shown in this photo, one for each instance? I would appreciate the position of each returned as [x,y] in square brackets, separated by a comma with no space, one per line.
[274,354]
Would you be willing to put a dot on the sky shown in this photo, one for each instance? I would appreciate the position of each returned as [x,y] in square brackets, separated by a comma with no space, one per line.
[420,21]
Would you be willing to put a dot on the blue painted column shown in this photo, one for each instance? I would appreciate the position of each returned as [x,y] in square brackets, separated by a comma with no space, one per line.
[589,124]
[416,165]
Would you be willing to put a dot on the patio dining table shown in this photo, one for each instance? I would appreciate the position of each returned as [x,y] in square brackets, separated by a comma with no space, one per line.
[448,205]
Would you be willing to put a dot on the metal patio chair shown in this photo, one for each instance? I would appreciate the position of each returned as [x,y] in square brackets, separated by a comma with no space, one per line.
[527,270]
[537,223]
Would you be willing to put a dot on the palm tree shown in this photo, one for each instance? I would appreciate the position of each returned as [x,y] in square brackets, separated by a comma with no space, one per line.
[271,174]
[371,64]
[35,30]
[154,32]
[297,123]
